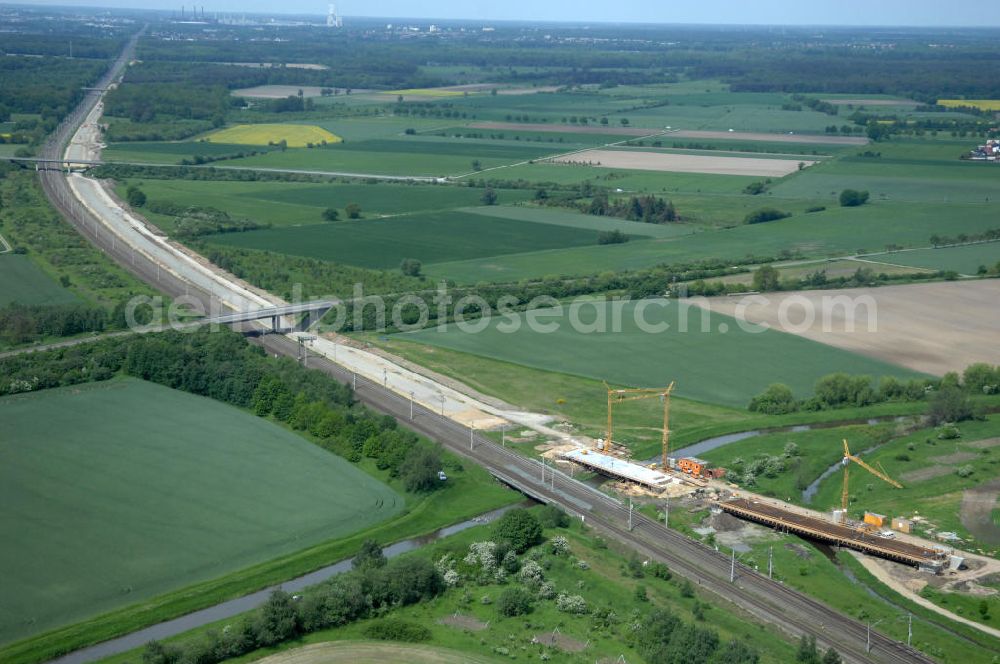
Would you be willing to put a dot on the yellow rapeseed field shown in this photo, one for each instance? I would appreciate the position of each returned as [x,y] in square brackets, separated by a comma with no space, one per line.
[296,135]
[981,104]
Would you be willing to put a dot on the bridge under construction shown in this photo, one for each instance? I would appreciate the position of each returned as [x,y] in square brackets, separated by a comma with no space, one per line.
[932,560]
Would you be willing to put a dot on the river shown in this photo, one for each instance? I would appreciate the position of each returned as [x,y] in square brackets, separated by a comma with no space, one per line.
[235,607]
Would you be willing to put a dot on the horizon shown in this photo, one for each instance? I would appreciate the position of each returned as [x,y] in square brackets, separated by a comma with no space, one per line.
[964,14]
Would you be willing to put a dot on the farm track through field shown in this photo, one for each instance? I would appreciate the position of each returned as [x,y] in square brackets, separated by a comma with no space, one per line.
[556,156]
[768,601]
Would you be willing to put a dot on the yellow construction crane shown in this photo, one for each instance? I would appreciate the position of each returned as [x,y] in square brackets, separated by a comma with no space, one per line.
[848,458]
[636,394]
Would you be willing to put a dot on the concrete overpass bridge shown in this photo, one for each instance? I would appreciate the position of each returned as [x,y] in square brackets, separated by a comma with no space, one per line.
[314,308]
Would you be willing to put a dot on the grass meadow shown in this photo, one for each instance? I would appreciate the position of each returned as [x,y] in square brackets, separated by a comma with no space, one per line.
[430,237]
[153,152]
[602,581]
[925,464]
[25,283]
[964,260]
[717,363]
[285,204]
[117,492]
[833,232]
[583,401]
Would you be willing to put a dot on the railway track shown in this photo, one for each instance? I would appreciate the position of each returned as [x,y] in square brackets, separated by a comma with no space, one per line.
[765,600]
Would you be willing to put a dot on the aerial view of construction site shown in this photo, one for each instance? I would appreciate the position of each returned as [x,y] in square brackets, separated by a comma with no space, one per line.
[648,332]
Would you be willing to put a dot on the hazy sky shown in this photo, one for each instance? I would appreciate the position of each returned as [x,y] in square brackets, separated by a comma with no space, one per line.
[813,12]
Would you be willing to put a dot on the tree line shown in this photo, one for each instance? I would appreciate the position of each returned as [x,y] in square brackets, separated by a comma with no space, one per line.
[948,397]
[48,86]
[21,324]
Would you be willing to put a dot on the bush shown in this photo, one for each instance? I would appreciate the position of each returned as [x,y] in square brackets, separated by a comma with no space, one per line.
[853,198]
[403,581]
[660,571]
[841,389]
[370,556]
[815,208]
[420,469]
[395,629]
[514,601]
[950,404]
[765,278]
[519,528]
[981,377]
[559,545]
[277,620]
[353,211]
[330,214]
[571,604]
[765,214]
[612,237]
[135,196]
[949,433]
[777,399]
[410,267]
[551,516]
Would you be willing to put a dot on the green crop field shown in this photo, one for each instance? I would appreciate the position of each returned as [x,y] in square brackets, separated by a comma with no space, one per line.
[560,140]
[908,170]
[628,180]
[429,237]
[117,492]
[295,204]
[964,260]
[173,153]
[562,217]
[835,231]
[25,283]
[716,362]
[465,147]
[352,161]
[362,129]
[381,155]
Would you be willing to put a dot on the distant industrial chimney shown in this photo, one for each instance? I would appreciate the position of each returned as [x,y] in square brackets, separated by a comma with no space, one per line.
[333,19]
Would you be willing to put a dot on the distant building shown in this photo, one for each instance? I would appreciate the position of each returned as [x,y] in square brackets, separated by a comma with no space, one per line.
[988,152]
[333,19]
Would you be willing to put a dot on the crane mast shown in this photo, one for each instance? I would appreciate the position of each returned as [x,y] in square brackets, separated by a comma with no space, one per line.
[636,394]
[846,462]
